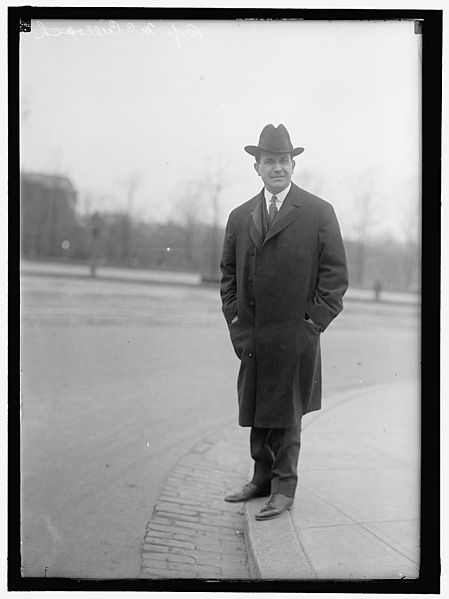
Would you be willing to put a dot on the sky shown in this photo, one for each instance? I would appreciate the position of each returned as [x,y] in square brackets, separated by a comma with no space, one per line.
[171,104]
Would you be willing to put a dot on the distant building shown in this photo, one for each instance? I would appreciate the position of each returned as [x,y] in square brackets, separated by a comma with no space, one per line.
[49,224]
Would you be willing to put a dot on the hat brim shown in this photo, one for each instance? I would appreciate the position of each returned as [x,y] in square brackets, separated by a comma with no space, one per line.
[254,150]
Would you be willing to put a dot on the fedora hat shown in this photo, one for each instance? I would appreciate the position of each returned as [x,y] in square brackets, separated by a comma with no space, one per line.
[275,140]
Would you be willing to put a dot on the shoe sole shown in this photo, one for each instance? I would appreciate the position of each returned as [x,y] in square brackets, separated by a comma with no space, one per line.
[262,518]
[246,499]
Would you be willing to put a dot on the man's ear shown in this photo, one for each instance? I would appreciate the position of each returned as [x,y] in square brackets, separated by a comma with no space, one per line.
[256,168]
[293,165]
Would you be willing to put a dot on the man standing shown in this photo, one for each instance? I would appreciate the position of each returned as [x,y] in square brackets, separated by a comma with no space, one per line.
[283,280]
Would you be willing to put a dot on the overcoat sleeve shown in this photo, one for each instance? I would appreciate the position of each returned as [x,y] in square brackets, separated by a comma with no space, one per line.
[228,287]
[332,279]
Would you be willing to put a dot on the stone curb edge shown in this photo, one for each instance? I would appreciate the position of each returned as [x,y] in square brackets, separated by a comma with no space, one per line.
[274,551]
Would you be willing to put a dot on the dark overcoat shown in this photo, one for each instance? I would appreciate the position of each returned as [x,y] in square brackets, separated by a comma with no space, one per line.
[273,284]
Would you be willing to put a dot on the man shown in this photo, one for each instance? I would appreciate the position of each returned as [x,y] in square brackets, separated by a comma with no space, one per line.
[283,279]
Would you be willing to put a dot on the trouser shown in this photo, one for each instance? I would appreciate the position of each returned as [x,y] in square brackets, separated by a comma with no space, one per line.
[275,452]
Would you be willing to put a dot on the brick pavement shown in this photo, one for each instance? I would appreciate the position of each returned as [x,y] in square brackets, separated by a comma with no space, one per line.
[192,532]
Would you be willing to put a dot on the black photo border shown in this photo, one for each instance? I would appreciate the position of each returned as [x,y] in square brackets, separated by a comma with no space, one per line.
[429,25]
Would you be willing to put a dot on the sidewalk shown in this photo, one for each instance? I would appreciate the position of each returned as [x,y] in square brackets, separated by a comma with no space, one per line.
[356,512]
[135,275]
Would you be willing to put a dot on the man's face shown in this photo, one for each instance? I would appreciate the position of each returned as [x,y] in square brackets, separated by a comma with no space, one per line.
[276,170]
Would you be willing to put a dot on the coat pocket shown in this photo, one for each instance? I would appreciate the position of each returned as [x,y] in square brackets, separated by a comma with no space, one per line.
[311,326]
[235,338]
[239,337]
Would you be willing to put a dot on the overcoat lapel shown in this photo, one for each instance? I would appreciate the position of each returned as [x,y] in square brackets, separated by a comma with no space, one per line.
[287,214]
[255,221]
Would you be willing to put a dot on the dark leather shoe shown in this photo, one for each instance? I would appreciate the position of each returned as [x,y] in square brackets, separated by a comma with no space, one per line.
[249,491]
[275,506]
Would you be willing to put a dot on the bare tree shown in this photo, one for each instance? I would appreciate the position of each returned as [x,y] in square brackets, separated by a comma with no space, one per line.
[216,179]
[92,219]
[189,210]
[200,202]
[366,217]
[130,184]
[94,234]
[411,229]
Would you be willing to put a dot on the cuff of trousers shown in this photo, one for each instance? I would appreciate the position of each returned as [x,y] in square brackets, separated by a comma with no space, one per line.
[285,488]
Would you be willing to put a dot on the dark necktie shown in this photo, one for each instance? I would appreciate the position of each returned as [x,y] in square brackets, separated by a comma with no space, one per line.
[272,210]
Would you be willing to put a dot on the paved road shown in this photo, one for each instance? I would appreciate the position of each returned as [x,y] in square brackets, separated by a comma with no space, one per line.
[119,381]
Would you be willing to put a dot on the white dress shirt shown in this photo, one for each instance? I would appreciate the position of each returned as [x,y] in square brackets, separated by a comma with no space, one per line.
[280,197]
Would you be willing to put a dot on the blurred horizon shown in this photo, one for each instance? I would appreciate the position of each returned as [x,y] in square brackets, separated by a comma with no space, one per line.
[52,229]
[148,117]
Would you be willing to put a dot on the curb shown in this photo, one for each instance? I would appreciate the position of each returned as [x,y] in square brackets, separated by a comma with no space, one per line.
[266,541]
[275,550]
[192,533]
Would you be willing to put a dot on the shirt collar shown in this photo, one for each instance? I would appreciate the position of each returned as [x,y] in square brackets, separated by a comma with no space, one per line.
[280,196]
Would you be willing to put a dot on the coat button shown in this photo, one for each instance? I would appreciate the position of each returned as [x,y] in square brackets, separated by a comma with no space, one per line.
[250,355]
[252,253]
